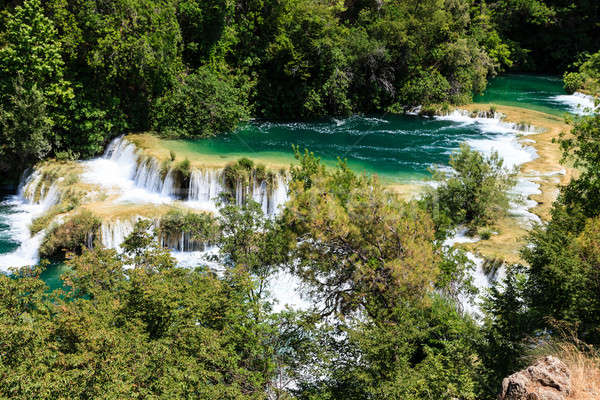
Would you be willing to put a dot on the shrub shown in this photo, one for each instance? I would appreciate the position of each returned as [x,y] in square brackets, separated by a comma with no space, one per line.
[71,236]
[184,168]
[197,228]
[573,81]
[203,104]
[474,193]
[485,234]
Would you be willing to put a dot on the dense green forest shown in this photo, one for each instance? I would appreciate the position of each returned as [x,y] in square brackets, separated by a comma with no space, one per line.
[75,73]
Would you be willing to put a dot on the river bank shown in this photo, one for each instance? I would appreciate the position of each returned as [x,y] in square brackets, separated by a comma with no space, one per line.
[545,174]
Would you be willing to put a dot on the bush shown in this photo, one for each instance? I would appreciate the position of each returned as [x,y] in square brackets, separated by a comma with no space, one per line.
[71,236]
[426,88]
[573,81]
[202,104]
[474,193]
[200,227]
[485,234]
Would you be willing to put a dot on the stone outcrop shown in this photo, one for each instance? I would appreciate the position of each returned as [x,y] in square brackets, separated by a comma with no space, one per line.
[547,379]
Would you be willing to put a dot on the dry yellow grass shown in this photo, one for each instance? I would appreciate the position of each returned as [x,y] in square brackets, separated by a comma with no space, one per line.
[585,374]
[584,366]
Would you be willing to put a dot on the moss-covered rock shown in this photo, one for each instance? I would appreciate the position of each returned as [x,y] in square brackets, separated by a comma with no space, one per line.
[72,235]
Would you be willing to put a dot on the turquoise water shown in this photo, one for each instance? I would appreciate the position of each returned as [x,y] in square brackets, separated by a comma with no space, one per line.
[539,93]
[51,276]
[397,148]
[7,242]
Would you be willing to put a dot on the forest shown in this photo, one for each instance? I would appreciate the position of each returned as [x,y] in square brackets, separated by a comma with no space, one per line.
[386,319]
[76,73]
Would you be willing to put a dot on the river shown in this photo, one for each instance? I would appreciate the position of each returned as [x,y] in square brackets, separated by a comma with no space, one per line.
[397,148]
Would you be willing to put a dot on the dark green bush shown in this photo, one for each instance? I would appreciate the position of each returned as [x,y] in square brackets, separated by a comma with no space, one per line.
[475,193]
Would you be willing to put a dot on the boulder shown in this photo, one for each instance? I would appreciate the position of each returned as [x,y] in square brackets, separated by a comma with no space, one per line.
[547,379]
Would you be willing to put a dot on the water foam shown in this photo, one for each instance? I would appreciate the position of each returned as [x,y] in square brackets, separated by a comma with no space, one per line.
[499,136]
[578,103]
[25,208]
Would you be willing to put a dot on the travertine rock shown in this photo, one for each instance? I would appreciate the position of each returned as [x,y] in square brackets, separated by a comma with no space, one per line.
[547,379]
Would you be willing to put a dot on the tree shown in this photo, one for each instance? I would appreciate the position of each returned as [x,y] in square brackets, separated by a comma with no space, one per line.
[32,87]
[30,51]
[25,129]
[475,193]
[358,246]
[415,353]
[203,104]
[252,243]
[582,148]
[149,330]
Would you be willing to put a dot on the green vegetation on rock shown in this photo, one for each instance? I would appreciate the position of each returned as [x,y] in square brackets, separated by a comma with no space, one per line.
[71,236]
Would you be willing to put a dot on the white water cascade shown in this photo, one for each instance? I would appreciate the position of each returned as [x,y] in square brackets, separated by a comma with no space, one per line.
[141,179]
[578,103]
[26,207]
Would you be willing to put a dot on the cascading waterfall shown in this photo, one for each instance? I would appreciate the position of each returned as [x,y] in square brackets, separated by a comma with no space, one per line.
[135,178]
[114,233]
[207,185]
[34,198]
[142,179]
[183,242]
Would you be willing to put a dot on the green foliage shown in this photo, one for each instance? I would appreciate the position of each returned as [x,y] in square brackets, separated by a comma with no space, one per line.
[366,248]
[416,353]
[198,229]
[196,69]
[546,35]
[202,27]
[573,81]
[74,234]
[30,50]
[507,323]
[241,177]
[587,77]
[582,149]
[203,104]
[25,129]
[559,288]
[149,331]
[184,168]
[426,87]
[252,243]
[475,193]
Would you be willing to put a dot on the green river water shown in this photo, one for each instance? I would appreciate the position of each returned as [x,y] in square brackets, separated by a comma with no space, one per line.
[397,148]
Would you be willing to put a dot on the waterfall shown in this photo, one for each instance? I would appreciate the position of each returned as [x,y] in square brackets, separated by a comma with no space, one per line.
[34,198]
[207,185]
[126,173]
[141,179]
[113,233]
[135,177]
[183,243]
[147,175]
